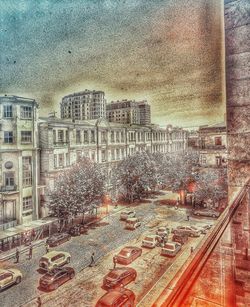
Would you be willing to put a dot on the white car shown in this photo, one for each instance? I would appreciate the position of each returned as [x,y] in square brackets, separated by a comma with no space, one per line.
[125,214]
[191,231]
[151,241]
[171,249]
[206,212]
[132,223]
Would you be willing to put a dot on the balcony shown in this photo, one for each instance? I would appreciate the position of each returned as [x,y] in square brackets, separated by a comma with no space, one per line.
[8,188]
[61,144]
[213,147]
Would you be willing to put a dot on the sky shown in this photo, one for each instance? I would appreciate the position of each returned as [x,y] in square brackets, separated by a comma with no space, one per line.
[169,52]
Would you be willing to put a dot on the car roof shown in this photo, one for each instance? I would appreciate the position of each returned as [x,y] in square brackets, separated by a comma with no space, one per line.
[151,236]
[113,295]
[120,270]
[132,219]
[3,271]
[127,211]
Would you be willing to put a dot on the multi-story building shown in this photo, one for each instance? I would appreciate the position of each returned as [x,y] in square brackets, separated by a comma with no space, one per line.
[84,105]
[193,141]
[19,172]
[129,112]
[64,142]
[213,145]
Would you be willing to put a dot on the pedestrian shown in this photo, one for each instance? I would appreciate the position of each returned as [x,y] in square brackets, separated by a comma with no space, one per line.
[187,217]
[92,263]
[165,240]
[39,301]
[47,247]
[30,251]
[192,249]
[114,262]
[17,255]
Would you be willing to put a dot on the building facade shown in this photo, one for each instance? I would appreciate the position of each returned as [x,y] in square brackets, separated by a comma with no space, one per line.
[83,105]
[213,145]
[129,112]
[19,160]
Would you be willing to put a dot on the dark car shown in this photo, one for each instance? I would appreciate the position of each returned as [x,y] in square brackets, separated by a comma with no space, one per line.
[128,254]
[55,278]
[77,230]
[115,298]
[58,239]
[180,238]
[119,277]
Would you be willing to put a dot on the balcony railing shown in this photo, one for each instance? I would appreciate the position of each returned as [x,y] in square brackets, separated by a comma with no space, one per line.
[8,188]
[213,147]
[61,143]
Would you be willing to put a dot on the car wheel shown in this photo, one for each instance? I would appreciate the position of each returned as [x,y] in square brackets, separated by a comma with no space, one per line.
[197,213]
[68,260]
[18,280]
[72,275]
[213,215]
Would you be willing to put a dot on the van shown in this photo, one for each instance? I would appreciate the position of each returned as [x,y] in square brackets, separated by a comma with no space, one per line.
[127,214]
[132,223]
[53,260]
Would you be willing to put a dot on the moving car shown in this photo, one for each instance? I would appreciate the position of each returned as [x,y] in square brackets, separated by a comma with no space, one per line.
[119,277]
[9,277]
[191,231]
[125,214]
[53,260]
[55,278]
[162,231]
[115,298]
[78,229]
[206,212]
[58,239]
[128,254]
[180,238]
[132,223]
[171,249]
[151,241]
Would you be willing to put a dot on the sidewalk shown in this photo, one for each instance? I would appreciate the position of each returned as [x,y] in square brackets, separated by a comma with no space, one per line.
[24,249]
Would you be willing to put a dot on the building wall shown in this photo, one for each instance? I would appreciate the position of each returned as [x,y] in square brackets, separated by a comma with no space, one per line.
[237,44]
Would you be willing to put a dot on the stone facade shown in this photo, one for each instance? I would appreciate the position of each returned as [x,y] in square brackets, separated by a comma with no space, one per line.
[19,160]
[213,145]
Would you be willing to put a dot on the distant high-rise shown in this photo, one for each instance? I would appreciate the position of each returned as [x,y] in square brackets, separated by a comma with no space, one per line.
[84,105]
[129,112]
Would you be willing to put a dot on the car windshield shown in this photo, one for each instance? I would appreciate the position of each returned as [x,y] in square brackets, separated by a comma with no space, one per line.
[194,228]
[113,275]
[169,246]
[149,239]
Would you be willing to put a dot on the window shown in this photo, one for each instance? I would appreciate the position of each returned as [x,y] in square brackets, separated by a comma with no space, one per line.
[112,154]
[122,137]
[218,141]
[103,137]
[86,136]
[9,179]
[55,161]
[8,137]
[27,203]
[27,171]
[26,112]
[7,111]
[78,136]
[117,137]
[61,160]
[54,136]
[117,154]
[67,159]
[103,156]
[112,137]
[60,136]
[26,137]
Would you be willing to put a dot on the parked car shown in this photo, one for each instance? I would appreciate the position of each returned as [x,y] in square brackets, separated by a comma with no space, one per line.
[58,239]
[171,249]
[125,214]
[151,241]
[205,228]
[180,238]
[115,298]
[55,278]
[119,277]
[162,231]
[132,223]
[9,277]
[78,229]
[206,212]
[128,254]
[53,260]
[191,231]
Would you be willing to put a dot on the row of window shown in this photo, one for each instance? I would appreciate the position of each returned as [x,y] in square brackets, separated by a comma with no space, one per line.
[26,112]
[26,137]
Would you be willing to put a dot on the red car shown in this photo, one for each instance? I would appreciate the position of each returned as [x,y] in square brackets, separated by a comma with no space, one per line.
[115,298]
[128,254]
[119,277]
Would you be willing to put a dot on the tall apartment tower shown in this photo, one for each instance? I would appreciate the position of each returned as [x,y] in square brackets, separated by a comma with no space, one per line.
[84,105]
[19,174]
[129,112]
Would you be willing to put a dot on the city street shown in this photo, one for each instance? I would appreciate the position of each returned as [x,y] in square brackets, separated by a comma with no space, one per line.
[105,240]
